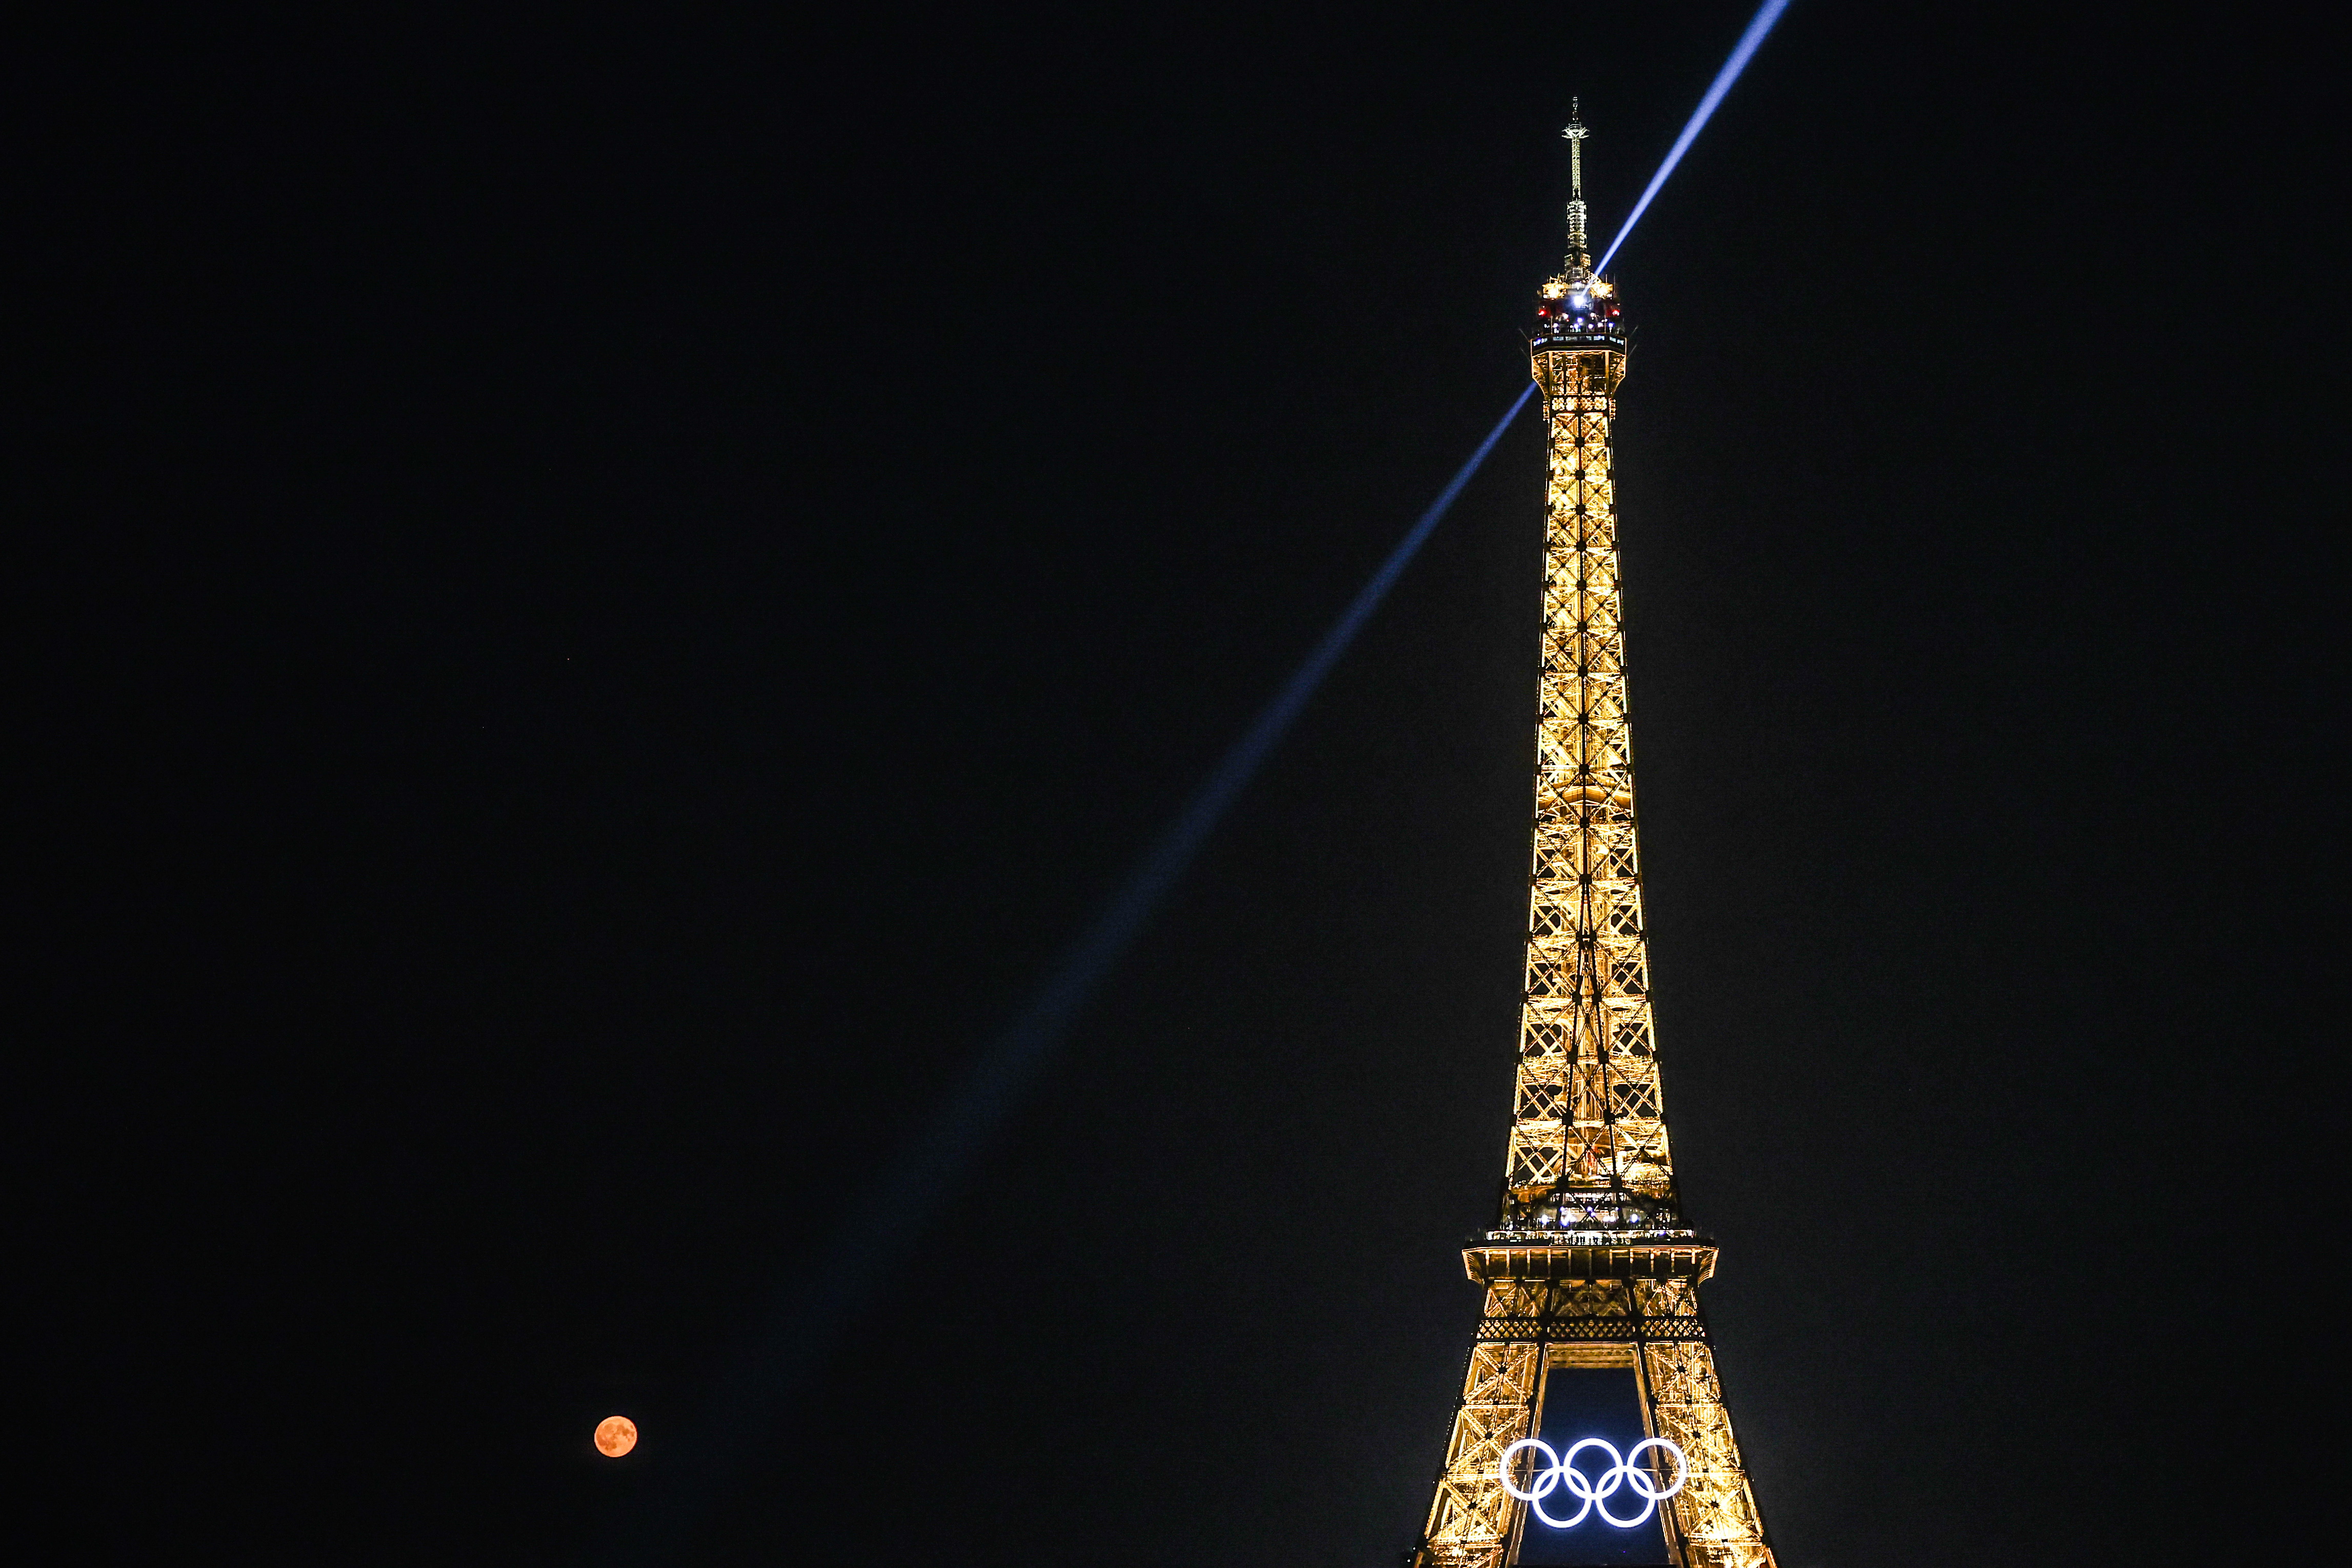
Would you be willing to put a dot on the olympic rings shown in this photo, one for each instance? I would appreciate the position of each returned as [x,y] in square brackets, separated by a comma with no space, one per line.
[1560,1470]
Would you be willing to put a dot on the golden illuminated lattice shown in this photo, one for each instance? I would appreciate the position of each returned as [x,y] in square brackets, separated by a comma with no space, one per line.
[1589,1263]
[1588,1145]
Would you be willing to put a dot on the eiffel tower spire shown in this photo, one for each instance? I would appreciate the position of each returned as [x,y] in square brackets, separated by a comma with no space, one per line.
[1580,259]
[1591,1273]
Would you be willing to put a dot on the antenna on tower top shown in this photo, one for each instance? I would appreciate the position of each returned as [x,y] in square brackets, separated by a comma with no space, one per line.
[1580,259]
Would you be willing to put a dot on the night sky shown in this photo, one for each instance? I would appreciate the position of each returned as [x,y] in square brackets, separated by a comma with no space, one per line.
[603,598]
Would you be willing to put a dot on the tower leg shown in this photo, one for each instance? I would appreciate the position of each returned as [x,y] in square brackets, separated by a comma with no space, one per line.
[1470,1521]
[1714,1513]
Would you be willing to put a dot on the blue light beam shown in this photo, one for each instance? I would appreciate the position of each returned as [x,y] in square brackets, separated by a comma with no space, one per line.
[1768,14]
[801,1335]
[988,1091]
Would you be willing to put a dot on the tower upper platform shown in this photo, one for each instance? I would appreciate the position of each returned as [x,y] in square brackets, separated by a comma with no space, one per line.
[1579,311]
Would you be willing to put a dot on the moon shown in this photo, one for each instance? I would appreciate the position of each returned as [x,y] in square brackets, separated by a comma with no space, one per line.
[615,1435]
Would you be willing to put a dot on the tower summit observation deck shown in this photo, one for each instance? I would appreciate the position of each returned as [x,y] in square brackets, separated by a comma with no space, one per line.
[1590,1395]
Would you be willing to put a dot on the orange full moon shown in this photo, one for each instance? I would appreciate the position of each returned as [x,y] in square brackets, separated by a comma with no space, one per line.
[615,1435]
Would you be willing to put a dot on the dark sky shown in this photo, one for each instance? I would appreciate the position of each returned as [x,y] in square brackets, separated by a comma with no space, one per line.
[604,597]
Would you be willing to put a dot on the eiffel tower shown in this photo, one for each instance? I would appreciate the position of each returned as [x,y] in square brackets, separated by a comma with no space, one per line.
[1591,1340]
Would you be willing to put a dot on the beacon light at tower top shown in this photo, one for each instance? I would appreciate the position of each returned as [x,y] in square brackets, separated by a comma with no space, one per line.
[1572,305]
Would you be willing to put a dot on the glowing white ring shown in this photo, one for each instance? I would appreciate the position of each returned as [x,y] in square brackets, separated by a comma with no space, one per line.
[1546,1479]
[1623,1471]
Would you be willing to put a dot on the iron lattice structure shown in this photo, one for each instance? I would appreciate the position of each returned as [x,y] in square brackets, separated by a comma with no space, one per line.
[1589,1264]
